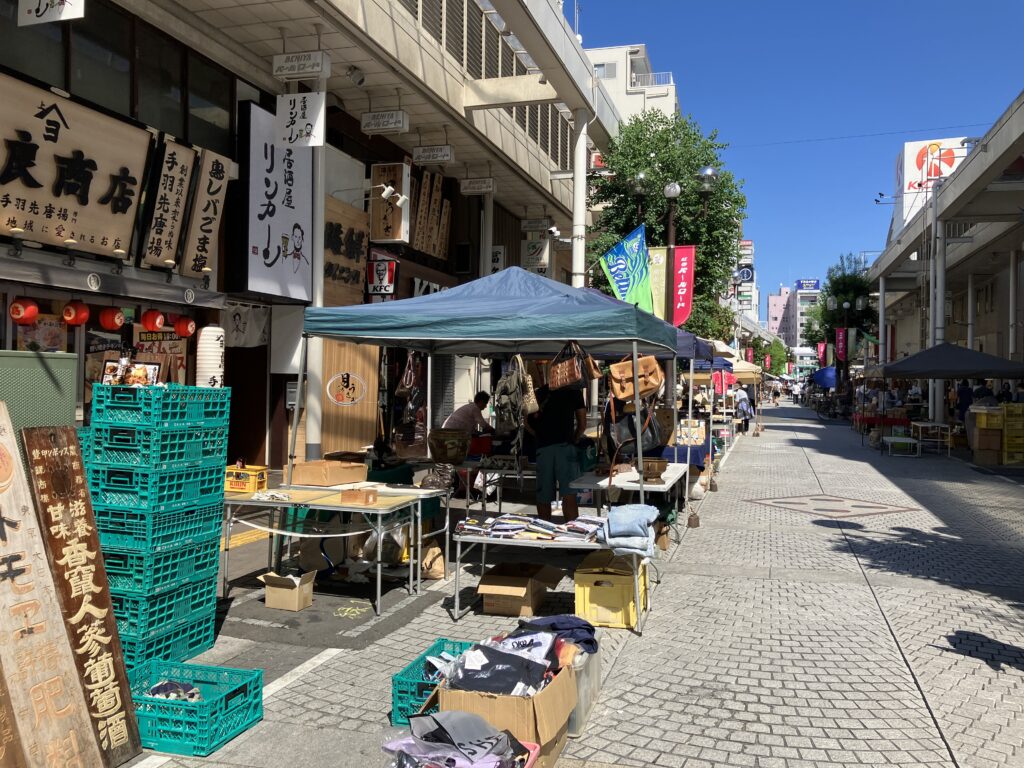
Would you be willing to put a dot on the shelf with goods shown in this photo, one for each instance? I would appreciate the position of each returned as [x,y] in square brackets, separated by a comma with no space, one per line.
[155,467]
[1013,433]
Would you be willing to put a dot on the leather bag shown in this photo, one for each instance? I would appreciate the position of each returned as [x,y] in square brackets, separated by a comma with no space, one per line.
[530,404]
[620,430]
[649,375]
[567,370]
[408,380]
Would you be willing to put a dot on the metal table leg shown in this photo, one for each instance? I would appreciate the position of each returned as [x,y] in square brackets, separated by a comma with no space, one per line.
[380,554]
[228,524]
[415,545]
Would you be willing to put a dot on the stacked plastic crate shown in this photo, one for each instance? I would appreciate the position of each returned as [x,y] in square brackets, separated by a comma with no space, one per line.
[1013,433]
[155,465]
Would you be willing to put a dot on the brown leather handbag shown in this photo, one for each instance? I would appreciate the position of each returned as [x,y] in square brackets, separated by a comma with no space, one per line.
[649,374]
[571,369]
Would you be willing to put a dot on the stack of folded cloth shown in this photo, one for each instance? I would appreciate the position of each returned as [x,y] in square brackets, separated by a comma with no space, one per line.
[629,530]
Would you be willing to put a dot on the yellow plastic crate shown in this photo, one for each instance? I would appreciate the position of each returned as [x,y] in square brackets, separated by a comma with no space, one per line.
[1013,457]
[1013,409]
[247,480]
[988,420]
[1014,425]
[1013,444]
[604,590]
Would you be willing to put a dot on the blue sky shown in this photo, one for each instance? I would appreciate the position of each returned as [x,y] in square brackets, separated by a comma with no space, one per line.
[762,73]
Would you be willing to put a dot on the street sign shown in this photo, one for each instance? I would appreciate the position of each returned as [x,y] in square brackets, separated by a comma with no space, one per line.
[307,65]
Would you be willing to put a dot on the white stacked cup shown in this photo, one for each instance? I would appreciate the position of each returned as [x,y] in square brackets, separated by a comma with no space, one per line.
[210,357]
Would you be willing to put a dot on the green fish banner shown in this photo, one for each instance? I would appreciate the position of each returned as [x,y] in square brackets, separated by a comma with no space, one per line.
[628,270]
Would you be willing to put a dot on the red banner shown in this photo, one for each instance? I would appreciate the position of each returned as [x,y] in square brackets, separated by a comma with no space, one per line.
[767,362]
[789,367]
[682,282]
[821,354]
[840,344]
[750,354]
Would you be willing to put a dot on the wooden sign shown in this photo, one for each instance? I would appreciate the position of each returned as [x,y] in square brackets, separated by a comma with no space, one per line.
[65,517]
[441,245]
[422,211]
[434,219]
[346,240]
[389,223]
[349,404]
[53,726]
[12,754]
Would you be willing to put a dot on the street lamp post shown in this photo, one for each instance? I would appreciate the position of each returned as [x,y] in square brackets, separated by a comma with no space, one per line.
[671,192]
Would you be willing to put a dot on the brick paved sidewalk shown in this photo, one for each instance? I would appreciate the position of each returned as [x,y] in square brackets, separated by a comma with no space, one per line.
[885,630]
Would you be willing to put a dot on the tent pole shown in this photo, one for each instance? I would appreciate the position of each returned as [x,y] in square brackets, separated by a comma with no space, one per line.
[638,420]
[299,402]
[689,425]
[428,424]
[675,411]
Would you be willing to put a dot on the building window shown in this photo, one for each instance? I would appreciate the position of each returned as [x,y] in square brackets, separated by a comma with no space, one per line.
[210,102]
[101,58]
[159,63]
[605,71]
[37,51]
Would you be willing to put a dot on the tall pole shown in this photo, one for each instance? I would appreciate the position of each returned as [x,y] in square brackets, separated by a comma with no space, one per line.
[972,308]
[883,335]
[314,380]
[1014,290]
[486,233]
[670,251]
[940,311]
[579,199]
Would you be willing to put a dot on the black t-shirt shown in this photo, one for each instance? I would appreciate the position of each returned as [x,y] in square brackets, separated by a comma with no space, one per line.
[556,420]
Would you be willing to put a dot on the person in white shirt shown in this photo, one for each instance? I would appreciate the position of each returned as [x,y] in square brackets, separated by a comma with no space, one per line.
[469,418]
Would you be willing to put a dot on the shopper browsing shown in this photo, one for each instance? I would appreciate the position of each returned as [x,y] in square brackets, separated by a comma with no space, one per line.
[557,427]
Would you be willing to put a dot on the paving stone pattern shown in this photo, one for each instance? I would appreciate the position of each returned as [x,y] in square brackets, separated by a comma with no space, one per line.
[779,639]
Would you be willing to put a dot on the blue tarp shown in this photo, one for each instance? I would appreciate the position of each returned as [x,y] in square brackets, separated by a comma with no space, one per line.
[510,311]
[825,377]
[719,364]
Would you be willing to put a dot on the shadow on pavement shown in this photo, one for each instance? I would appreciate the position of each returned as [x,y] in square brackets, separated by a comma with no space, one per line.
[978,646]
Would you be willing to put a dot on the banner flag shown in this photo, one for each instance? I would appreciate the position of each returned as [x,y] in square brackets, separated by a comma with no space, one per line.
[821,354]
[682,282]
[840,344]
[628,271]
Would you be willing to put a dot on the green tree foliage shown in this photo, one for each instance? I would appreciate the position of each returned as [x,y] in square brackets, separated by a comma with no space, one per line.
[847,282]
[779,355]
[652,150]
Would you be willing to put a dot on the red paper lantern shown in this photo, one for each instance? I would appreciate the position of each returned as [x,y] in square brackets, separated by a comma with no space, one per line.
[152,320]
[76,313]
[111,319]
[184,327]
[24,311]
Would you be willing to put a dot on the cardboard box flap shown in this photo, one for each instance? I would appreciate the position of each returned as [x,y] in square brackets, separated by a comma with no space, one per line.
[554,704]
[506,586]
[604,561]
[549,576]
[271,579]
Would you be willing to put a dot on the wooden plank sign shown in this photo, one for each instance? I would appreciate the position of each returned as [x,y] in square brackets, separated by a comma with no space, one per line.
[441,246]
[434,219]
[72,542]
[422,211]
[38,664]
[12,754]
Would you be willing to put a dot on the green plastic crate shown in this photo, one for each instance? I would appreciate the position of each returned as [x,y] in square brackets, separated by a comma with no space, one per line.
[232,703]
[134,572]
[169,406]
[141,617]
[153,490]
[180,642]
[411,687]
[143,531]
[157,447]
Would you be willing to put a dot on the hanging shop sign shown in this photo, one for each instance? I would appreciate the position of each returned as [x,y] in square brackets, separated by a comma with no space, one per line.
[841,344]
[389,222]
[164,341]
[536,225]
[247,325]
[345,389]
[65,515]
[168,195]
[682,285]
[280,212]
[200,253]
[304,65]
[69,176]
[749,351]
[436,154]
[535,256]
[300,119]
[483,186]
[820,350]
[43,11]
[346,238]
[381,273]
[497,258]
[390,121]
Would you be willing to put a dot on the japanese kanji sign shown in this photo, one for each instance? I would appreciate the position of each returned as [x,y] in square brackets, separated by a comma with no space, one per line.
[169,191]
[280,212]
[66,520]
[300,119]
[41,11]
[389,222]
[69,176]
[346,237]
[51,720]
[682,282]
[200,253]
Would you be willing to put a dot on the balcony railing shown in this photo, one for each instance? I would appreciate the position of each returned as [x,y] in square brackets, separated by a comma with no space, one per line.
[651,80]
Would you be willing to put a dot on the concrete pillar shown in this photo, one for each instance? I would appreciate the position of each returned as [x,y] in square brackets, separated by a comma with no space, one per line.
[486,233]
[1014,290]
[883,335]
[972,310]
[940,311]
[315,356]
[580,162]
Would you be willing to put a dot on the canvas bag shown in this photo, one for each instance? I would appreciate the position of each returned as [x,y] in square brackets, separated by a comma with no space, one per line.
[649,374]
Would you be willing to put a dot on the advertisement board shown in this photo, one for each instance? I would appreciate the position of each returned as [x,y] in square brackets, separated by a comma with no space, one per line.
[808,285]
[917,167]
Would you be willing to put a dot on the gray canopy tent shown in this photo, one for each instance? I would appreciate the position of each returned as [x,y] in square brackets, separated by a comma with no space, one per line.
[512,311]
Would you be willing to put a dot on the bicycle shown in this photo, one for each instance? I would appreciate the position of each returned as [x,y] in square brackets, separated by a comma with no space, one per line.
[827,408]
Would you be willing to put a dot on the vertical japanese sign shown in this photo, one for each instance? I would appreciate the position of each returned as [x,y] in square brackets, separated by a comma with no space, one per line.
[497,258]
[280,212]
[300,119]
[682,282]
[169,194]
[346,236]
[750,354]
[767,362]
[840,343]
[199,256]
[69,176]
[821,354]
[73,551]
[43,11]
[48,706]
[659,274]
[389,223]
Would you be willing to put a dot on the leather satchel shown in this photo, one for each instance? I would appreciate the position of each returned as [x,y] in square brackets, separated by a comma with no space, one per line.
[567,370]
[649,375]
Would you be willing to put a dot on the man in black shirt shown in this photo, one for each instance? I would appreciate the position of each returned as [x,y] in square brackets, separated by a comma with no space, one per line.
[557,427]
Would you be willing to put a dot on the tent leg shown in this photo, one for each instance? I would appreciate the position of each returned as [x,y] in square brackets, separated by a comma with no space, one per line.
[689,422]
[675,411]
[638,420]
[429,419]
[299,402]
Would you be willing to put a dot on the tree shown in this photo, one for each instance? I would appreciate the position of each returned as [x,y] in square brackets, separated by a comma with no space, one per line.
[651,150]
[846,282]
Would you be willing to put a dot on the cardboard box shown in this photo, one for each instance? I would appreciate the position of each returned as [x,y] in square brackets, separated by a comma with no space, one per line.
[328,473]
[987,439]
[516,589]
[365,496]
[288,594]
[985,458]
[542,719]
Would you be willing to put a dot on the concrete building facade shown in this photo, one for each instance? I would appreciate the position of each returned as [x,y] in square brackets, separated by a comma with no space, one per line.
[626,73]
[787,310]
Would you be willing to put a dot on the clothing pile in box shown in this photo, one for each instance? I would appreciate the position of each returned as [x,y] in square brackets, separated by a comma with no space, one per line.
[512,526]
[454,740]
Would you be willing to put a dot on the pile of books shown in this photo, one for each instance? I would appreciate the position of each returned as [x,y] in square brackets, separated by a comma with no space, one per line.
[512,526]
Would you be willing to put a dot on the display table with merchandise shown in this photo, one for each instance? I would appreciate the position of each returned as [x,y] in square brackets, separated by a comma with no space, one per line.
[934,433]
[283,523]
